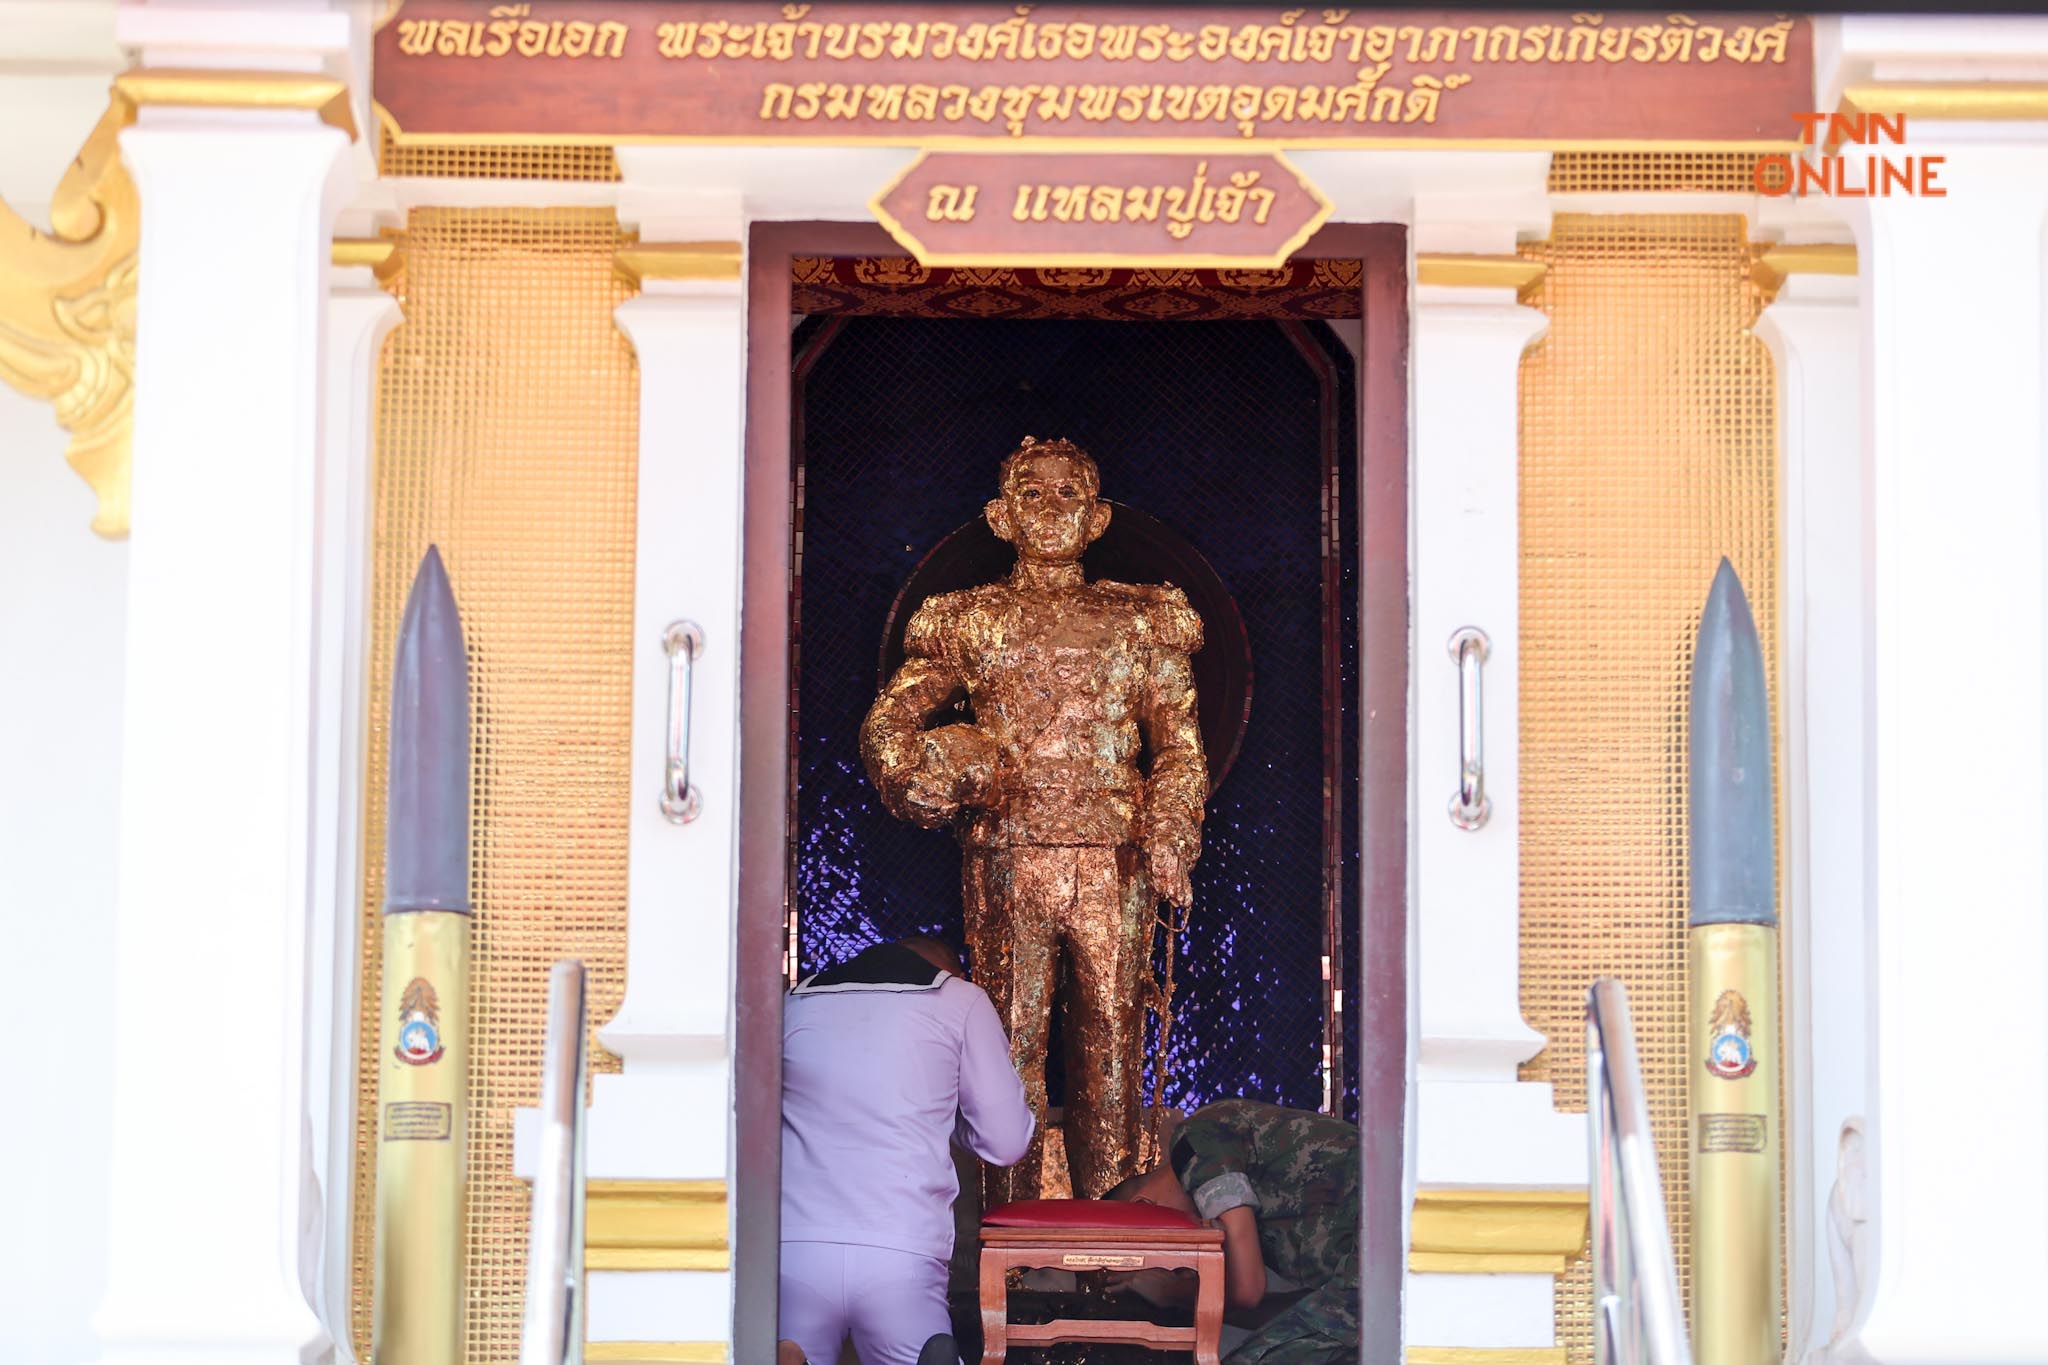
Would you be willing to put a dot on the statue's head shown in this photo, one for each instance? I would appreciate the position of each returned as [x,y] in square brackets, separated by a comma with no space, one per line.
[1048,509]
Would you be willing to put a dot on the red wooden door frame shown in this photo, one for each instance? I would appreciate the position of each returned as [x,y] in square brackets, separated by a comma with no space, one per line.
[1382,934]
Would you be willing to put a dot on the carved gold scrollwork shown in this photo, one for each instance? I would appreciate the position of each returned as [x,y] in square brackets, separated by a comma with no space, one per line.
[67,312]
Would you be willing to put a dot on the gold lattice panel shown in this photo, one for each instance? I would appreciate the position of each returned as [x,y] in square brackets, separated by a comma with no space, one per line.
[507,412]
[1623,172]
[1648,450]
[490,161]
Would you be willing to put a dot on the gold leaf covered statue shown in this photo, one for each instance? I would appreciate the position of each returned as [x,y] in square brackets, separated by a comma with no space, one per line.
[1068,846]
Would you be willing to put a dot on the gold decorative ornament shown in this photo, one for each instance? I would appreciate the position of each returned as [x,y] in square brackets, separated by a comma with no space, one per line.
[1960,100]
[1476,271]
[426,159]
[1773,263]
[209,88]
[380,254]
[636,261]
[67,312]
[656,1225]
[658,1352]
[1656,170]
[67,296]
[1493,1232]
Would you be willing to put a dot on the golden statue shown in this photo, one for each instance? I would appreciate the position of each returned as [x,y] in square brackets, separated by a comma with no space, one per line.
[1068,846]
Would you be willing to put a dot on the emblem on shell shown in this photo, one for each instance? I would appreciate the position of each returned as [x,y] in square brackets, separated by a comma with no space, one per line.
[1728,1051]
[419,1033]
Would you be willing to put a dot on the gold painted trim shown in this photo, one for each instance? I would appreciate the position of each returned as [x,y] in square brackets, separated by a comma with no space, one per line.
[1494,1232]
[1477,272]
[1811,258]
[1997,101]
[657,1352]
[1773,263]
[67,313]
[374,252]
[656,1258]
[207,88]
[1486,1355]
[1047,143]
[656,1225]
[1166,256]
[1961,100]
[677,261]
[1490,1263]
[380,254]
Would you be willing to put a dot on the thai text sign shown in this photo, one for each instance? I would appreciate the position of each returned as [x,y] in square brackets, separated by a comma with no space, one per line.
[621,71]
[1107,208]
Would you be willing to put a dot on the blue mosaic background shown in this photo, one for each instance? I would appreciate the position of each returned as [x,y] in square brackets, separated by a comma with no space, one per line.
[1214,428]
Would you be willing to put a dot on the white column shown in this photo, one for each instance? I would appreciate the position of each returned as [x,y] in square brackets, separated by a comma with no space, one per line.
[1476,1125]
[1954,353]
[672,1029]
[211,1150]
[1813,329]
[360,314]
[1467,345]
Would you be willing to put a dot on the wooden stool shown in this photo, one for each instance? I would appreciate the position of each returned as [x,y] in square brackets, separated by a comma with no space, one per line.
[1089,1234]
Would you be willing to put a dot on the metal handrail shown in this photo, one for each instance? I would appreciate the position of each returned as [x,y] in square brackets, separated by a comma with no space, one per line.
[552,1330]
[1637,1316]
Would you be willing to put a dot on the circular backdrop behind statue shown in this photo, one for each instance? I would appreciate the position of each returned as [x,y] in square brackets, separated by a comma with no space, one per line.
[1137,548]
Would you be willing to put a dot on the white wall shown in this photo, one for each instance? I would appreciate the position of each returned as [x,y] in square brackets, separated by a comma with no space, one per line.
[63,598]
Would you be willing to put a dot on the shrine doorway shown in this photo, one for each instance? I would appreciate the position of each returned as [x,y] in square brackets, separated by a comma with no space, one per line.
[1306,1008]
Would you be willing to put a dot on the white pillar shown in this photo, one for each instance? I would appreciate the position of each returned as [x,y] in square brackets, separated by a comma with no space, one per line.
[1467,345]
[1813,329]
[672,1028]
[360,314]
[211,1150]
[1476,1123]
[1954,353]
[1477,1126]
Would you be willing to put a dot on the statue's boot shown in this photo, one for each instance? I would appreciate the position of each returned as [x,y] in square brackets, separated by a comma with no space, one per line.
[940,1350]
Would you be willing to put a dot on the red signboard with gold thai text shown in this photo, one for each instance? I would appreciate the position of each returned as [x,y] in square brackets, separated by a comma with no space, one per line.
[1102,208]
[950,75]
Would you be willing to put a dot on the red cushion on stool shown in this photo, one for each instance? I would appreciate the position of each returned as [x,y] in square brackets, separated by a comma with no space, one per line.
[1086,1213]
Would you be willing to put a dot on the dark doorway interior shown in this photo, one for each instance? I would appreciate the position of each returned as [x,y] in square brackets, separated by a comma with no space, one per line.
[1347,272]
[1230,432]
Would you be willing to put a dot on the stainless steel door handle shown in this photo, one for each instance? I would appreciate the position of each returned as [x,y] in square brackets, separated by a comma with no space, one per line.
[1469,806]
[683,641]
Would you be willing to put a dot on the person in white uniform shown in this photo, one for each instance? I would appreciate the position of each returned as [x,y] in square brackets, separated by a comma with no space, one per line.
[885,1060]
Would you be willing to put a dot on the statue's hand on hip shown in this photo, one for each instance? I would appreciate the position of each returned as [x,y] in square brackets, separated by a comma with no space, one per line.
[1168,872]
[957,769]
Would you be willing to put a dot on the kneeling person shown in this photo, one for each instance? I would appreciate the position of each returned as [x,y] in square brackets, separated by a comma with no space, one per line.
[1283,1186]
[885,1059]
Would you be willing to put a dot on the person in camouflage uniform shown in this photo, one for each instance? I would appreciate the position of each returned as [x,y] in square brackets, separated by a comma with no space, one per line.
[1283,1185]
